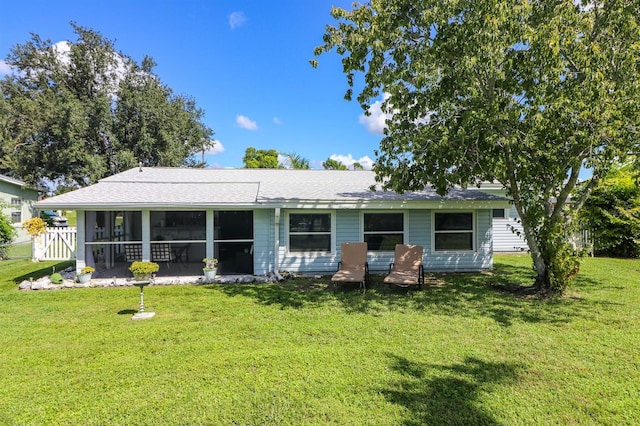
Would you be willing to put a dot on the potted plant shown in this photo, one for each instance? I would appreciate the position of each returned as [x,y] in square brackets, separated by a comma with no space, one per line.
[85,274]
[210,267]
[142,270]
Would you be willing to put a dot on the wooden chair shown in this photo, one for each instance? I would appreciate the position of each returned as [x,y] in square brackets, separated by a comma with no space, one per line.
[406,270]
[353,266]
[162,253]
[132,252]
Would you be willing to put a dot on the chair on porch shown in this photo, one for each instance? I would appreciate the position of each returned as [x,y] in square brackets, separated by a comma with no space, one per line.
[132,252]
[406,270]
[353,266]
[162,253]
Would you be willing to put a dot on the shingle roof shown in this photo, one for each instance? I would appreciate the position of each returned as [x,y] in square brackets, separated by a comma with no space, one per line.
[187,187]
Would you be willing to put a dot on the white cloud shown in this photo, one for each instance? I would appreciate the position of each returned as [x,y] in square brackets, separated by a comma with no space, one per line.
[277,121]
[237,19]
[5,68]
[63,51]
[246,123]
[218,148]
[375,122]
[348,160]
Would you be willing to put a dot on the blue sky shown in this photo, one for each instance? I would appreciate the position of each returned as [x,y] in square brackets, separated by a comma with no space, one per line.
[246,63]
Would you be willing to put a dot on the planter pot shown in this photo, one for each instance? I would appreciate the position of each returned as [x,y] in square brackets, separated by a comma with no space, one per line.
[84,278]
[142,277]
[210,274]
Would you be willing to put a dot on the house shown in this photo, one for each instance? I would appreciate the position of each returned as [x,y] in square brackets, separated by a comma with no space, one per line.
[257,221]
[508,233]
[18,199]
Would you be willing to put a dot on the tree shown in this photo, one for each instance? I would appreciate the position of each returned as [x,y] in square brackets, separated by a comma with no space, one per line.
[77,112]
[612,215]
[260,159]
[296,161]
[523,93]
[331,164]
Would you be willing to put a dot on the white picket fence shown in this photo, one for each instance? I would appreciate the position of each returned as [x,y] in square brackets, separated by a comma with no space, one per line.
[55,244]
[61,243]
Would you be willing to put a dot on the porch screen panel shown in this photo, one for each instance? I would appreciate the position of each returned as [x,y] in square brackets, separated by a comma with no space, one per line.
[233,238]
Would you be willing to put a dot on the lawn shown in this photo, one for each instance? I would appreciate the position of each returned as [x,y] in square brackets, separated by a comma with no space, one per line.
[462,351]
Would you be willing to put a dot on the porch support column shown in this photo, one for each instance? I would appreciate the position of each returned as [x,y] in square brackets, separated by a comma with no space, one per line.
[146,235]
[210,235]
[81,232]
[276,240]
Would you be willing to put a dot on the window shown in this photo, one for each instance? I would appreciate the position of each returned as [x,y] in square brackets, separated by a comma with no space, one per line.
[16,201]
[453,231]
[309,232]
[16,217]
[499,214]
[382,231]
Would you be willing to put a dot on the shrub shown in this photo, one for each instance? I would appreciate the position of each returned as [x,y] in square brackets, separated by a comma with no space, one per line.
[35,226]
[7,234]
[210,263]
[56,278]
[140,267]
[87,270]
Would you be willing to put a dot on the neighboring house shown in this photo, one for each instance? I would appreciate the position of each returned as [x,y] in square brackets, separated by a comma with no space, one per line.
[18,199]
[257,221]
[508,234]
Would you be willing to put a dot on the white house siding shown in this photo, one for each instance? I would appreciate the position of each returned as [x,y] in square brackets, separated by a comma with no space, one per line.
[504,239]
[10,189]
[263,241]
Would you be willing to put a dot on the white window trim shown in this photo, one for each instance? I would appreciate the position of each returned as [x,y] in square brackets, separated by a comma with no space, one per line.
[474,231]
[405,225]
[332,244]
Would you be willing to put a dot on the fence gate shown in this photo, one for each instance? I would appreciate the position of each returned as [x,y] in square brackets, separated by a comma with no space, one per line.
[56,244]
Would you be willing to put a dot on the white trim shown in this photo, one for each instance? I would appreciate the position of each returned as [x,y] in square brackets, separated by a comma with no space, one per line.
[474,232]
[332,244]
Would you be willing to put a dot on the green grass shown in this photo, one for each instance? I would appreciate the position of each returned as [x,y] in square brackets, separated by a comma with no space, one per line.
[19,251]
[463,351]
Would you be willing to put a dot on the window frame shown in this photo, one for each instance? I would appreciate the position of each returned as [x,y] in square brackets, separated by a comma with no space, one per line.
[473,231]
[405,226]
[331,232]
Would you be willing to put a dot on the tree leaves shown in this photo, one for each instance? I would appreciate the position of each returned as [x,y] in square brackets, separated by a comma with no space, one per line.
[77,112]
[523,93]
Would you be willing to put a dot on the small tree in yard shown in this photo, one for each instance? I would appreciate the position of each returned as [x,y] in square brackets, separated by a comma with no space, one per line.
[7,233]
[523,93]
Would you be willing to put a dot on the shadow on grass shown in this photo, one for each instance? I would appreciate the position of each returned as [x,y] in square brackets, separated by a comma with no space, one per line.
[454,294]
[447,395]
[44,271]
